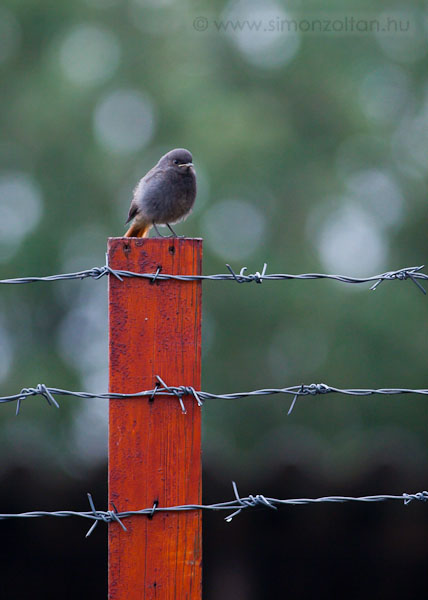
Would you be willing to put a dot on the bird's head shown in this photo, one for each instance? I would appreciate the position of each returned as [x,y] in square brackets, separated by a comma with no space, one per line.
[180,159]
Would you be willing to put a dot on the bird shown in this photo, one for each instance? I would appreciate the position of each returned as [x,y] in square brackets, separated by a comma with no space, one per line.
[164,196]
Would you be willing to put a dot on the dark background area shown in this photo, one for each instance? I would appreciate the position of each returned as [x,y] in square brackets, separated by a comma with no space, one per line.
[323,551]
[308,127]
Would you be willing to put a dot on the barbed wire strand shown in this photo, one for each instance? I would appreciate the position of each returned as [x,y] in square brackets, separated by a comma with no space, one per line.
[237,505]
[162,389]
[412,273]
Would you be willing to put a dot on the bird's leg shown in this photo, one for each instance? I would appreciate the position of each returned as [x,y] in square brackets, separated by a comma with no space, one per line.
[172,231]
[157,231]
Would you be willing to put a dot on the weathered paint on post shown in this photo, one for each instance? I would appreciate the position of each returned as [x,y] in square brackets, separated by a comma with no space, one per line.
[155,449]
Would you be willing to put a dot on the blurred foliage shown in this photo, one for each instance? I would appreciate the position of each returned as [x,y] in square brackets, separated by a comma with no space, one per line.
[311,152]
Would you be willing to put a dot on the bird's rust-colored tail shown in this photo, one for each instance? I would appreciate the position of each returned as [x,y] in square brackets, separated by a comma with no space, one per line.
[138,229]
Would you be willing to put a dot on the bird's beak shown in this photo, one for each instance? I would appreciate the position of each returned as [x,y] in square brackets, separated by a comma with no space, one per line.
[186,165]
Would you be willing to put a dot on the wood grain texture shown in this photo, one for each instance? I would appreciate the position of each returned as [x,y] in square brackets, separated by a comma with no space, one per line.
[155,449]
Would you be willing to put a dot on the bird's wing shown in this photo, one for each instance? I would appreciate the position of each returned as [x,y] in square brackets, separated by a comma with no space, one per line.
[133,209]
[143,187]
[155,172]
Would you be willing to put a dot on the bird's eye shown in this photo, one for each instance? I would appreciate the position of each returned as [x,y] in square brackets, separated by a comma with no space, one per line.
[176,162]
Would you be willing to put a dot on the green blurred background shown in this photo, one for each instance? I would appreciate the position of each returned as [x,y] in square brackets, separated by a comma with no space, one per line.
[308,124]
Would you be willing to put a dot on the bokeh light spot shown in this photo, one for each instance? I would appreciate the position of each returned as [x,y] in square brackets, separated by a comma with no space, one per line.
[383,93]
[6,350]
[89,54]
[410,140]
[124,121]
[20,210]
[378,192]
[234,229]
[405,40]
[349,241]
[260,32]
[102,3]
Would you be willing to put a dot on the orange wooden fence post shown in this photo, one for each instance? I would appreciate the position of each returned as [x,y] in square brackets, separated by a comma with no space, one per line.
[155,449]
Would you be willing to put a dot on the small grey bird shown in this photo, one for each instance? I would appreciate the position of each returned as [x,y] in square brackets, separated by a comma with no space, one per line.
[165,195]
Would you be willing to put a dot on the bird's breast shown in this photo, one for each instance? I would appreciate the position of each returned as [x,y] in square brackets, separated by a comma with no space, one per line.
[170,197]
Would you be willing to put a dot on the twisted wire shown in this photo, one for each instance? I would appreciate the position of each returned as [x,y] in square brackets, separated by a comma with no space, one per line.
[237,505]
[162,389]
[412,273]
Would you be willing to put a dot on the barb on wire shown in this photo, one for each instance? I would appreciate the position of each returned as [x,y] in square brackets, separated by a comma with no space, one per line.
[40,390]
[403,274]
[237,505]
[242,278]
[107,516]
[162,389]
[412,273]
[180,391]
